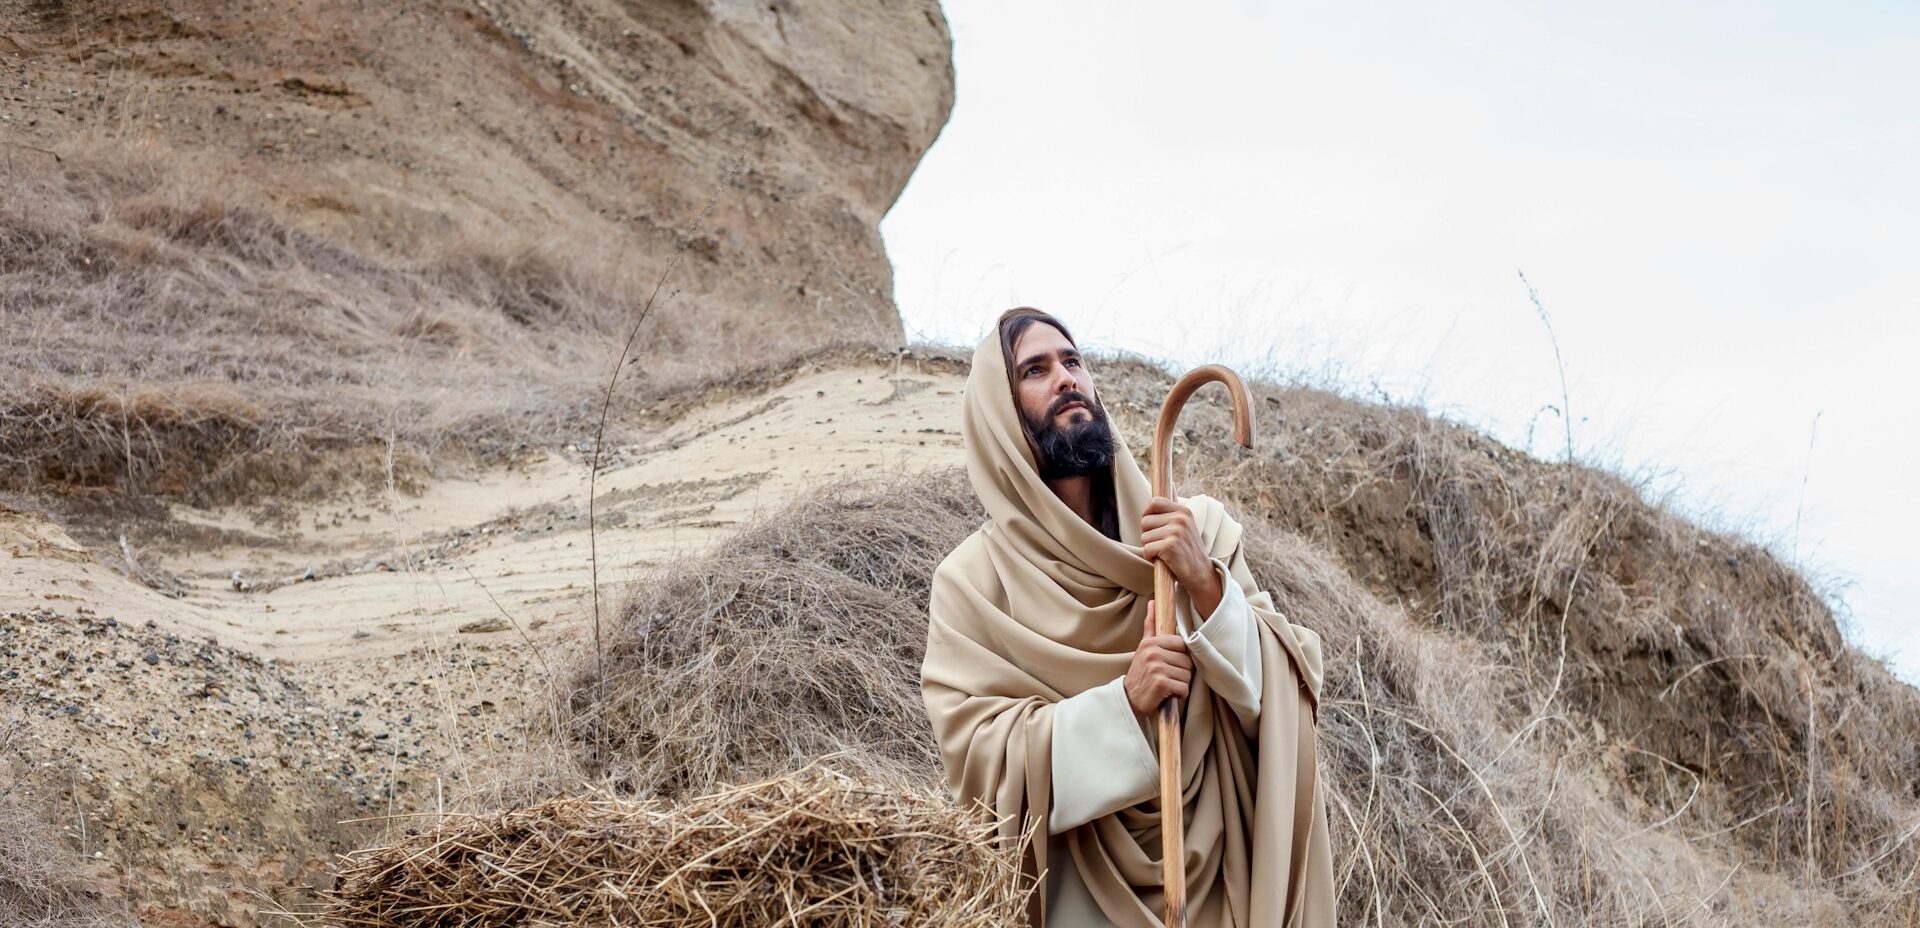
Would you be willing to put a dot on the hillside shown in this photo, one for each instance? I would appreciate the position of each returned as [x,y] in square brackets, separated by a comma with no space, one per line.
[235,235]
[207,716]
[265,269]
[1552,700]
[310,308]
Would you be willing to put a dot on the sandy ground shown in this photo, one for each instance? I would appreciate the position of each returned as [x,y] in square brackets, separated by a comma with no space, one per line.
[395,571]
[212,715]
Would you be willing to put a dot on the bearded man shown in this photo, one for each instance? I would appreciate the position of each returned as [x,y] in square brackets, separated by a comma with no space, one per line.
[1043,673]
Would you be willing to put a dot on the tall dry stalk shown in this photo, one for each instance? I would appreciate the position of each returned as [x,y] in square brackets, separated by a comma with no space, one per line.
[1806,473]
[599,439]
[1559,363]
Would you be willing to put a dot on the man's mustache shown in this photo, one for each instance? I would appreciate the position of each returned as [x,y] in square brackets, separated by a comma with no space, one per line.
[1072,396]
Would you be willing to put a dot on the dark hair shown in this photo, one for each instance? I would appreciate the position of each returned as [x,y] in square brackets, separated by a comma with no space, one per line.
[1013,323]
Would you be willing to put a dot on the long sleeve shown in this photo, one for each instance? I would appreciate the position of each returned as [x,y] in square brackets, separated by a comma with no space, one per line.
[1226,647]
[1101,759]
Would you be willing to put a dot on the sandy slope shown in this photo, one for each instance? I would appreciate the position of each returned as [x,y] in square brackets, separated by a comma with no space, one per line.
[394,571]
[210,743]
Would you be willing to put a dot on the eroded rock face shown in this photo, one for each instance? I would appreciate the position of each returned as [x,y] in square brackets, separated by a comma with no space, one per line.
[814,113]
[294,227]
[763,141]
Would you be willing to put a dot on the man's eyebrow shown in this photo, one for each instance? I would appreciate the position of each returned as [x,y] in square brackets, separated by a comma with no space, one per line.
[1042,356]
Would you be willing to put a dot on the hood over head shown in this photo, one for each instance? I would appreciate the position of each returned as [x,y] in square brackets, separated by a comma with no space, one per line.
[1001,465]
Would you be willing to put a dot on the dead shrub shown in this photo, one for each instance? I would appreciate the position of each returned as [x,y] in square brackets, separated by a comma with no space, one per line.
[814,848]
[800,637]
[42,881]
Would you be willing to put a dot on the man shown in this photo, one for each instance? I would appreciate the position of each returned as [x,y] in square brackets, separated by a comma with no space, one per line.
[1043,673]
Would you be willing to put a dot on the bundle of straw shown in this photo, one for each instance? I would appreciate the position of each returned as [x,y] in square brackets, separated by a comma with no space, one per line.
[815,848]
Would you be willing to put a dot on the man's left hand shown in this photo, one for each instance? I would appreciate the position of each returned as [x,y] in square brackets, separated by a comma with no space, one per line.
[1168,535]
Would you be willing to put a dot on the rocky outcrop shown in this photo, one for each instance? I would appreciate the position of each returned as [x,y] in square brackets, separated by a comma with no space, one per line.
[244,232]
[263,251]
[408,128]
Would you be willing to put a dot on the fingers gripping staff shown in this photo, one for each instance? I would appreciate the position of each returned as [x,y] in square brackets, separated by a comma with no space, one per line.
[1172,827]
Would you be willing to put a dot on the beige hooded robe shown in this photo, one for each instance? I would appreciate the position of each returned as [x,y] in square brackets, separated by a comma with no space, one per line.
[1038,606]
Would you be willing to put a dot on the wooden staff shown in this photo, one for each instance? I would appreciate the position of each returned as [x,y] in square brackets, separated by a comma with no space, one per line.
[1173,829]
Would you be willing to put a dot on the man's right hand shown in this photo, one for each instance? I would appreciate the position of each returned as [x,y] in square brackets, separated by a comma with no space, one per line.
[1160,668]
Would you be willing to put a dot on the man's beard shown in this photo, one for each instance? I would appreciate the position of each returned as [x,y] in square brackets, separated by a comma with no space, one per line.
[1076,449]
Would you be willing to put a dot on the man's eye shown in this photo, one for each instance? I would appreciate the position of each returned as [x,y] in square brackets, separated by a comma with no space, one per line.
[1073,362]
[1033,370]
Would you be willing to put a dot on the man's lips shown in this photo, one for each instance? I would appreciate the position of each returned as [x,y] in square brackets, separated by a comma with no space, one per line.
[1071,406]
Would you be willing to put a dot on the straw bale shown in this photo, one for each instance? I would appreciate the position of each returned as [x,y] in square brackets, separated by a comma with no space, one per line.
[814,848]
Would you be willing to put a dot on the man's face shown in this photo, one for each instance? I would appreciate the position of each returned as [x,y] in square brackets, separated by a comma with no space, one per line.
[1056,398]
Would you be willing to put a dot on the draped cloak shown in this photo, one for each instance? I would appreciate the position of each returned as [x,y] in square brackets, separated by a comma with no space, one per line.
[1036,606]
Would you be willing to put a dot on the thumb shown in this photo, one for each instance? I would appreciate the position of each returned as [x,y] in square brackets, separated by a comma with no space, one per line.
[1151,625]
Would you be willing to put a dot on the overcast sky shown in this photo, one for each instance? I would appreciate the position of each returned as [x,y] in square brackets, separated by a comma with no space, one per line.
[1717,202]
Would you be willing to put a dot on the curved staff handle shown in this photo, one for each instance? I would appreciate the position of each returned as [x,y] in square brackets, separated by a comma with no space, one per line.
[1173,827]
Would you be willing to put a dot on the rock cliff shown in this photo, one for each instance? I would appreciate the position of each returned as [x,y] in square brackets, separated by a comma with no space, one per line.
[280,222]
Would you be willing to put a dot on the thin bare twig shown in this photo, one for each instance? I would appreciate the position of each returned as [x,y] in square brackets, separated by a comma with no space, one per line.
[1566,409]
[593,468]
[1813,432]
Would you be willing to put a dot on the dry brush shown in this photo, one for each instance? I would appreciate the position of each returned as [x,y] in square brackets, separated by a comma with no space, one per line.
[1550,701]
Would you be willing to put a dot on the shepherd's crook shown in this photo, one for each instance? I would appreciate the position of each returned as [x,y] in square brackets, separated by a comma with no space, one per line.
[1173,871]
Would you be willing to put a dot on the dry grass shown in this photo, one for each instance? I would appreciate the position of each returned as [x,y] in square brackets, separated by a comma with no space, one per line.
[816,848]
[43,883]
[800,637]
[1550,702]
[1642,700]
[172,329]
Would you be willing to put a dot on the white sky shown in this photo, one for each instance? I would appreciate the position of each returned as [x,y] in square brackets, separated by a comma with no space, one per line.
[1719,204]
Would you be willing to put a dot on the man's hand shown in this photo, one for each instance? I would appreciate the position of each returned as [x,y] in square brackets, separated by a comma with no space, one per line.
[1160,668]
[1168,534]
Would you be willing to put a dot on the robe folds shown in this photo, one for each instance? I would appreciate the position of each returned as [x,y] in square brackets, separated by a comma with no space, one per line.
[1038,606]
